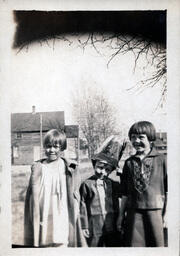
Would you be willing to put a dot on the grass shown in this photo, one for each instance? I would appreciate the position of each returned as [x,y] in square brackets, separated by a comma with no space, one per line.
[19,181]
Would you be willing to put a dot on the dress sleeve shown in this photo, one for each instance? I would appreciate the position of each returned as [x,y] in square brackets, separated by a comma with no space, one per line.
[83,206]
[124,180]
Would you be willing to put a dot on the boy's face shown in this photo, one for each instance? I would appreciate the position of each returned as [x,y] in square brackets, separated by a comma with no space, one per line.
[52,151]
[102,169]
[140,142]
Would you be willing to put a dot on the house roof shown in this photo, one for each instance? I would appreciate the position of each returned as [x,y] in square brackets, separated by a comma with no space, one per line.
[28,122]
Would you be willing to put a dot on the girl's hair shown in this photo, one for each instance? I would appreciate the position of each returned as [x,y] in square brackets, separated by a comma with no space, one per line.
[55,137]
[144,127]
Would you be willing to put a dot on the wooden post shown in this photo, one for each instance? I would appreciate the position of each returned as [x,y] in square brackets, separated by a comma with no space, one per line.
[41,143]
[78,147]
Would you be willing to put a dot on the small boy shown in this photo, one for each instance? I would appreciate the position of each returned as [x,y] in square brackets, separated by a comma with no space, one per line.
[99,204]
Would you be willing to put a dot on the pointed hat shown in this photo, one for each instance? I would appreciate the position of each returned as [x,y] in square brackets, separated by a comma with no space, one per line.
[110,151]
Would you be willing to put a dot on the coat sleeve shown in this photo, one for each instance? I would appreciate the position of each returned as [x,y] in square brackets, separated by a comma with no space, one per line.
[83,206]
[28,225]
[77,183]
[165,185]
[32,212]
[36,173]
[165,175]
[124,180]
[72,167]
[78,239]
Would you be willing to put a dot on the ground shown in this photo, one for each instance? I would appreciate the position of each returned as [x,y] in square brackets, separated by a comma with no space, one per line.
[20,179]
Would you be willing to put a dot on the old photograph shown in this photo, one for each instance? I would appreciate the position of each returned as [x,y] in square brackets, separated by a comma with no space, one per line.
[89,130]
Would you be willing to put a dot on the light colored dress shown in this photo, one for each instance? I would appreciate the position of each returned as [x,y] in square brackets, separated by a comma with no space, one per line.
[54,224]
[38,218]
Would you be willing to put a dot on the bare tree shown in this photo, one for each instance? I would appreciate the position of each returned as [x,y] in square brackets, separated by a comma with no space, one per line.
[153,53]
[141,33]
[95,116]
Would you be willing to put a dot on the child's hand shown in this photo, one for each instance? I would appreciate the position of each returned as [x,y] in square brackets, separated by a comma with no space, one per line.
[165,221]
[119,224]
[86,232]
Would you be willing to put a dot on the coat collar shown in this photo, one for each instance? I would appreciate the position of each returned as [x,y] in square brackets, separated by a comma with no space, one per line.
[94,177]
[152,153]
[69,164]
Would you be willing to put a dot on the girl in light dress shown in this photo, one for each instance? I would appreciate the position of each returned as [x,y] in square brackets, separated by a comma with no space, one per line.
[52,199]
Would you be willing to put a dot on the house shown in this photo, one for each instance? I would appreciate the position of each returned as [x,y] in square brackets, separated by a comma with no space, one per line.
[161,142]
[28,129]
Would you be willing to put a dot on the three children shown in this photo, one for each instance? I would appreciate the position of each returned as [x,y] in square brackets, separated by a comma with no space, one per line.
[54,198]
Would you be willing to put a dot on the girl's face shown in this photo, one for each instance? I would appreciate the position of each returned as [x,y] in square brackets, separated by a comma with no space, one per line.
[52,151]
[102,169]
[140,142]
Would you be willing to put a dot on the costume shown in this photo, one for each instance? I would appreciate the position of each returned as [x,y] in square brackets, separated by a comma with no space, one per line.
[99,208]
[46,204]
[144,183]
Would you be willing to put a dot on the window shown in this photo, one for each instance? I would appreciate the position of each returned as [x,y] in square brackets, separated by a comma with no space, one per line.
[18,135]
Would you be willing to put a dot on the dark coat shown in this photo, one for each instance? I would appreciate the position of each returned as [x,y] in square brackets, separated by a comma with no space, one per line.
[148,191]
[32,215]
[90,207]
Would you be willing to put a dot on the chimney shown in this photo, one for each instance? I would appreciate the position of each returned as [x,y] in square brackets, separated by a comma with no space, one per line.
[33,110]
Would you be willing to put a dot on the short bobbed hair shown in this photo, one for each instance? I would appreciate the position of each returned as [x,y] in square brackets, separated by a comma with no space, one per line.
[143,127]
[54,137]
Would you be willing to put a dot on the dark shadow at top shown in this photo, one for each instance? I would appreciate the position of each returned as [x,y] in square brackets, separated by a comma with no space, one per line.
[33,26]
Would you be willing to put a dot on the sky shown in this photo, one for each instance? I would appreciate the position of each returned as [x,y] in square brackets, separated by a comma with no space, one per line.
[46,76]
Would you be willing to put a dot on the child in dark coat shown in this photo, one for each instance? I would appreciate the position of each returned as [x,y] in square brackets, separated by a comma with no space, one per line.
[144,190]
[99,204]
